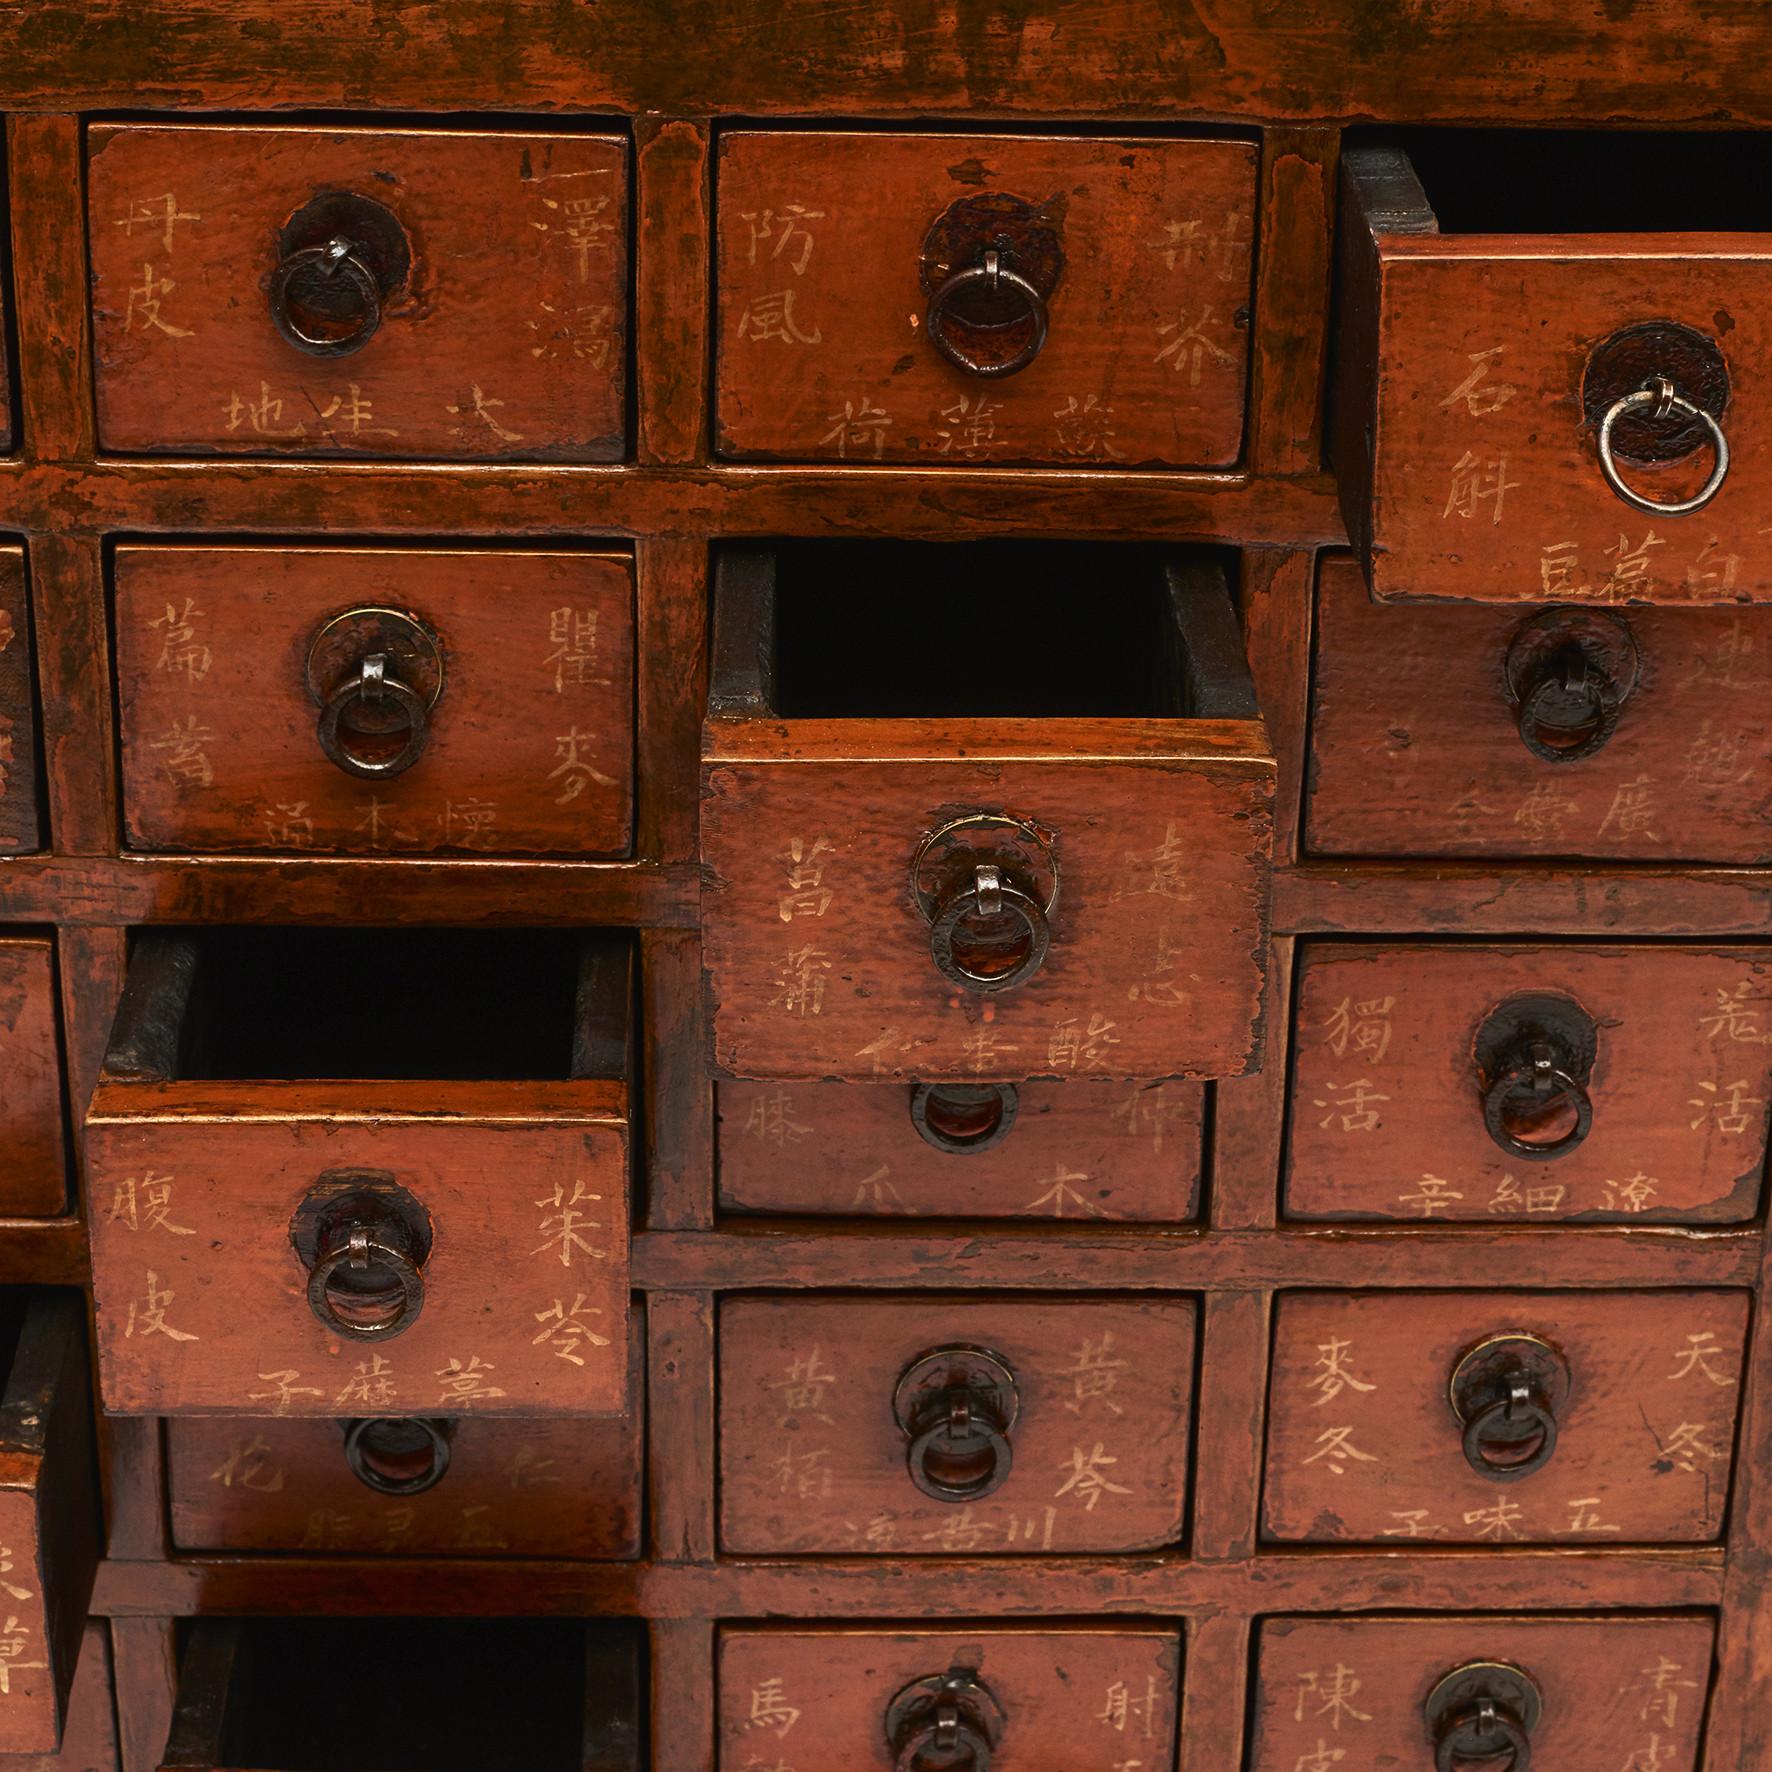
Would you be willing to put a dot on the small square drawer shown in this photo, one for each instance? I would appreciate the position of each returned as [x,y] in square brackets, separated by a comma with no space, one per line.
[1017,1698]
[49,1515]
[982,813]
[21,826]
[1555,368]
[423,1694]
[287,290]
[1555,730]
[33,1143]
[1499,1418]
[974,299]
[89,1741]
[412,1485]
[943,1426]
[1537,1084]
[365,1172]
[468,699]
[1584,1694]
[1101,1151]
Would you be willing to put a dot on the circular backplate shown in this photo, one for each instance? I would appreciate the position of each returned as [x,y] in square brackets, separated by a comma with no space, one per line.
[372,228]
[1606,639]
[1503,1684]
[342,642]
[1636,357]
[943,1369]
[959,1686]
[959,844]
[1480,1378]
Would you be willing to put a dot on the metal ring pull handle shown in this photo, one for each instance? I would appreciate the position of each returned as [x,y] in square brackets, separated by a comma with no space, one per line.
[1493,1437]
[1571,681]
[1480,1736]
[990,270]
[1001,914]
[951,1738]
[961,1119]
[398,1455]
[1538,1078]
[952,1721]
[353,1248]
[964,1433]
[330,280]
[373,688]
[1660,398]
[1484,1714]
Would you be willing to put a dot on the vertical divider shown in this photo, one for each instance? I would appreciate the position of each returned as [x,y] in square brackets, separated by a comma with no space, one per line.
[672,253]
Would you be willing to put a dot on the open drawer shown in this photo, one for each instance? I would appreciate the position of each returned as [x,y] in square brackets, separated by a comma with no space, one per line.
[997,811]
[365,1173]
[1555,368]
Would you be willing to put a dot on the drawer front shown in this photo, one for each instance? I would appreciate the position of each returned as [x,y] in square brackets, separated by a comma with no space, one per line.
[202,1291]
[939,1426]
[89,1742]
[1610,734]
[832,248]
[1415,1093]
[478,314]
[1501,1418]
[508,726]
[33,1155]
[1025,1699]
[1609,1694]
[20,826]
[963,1150]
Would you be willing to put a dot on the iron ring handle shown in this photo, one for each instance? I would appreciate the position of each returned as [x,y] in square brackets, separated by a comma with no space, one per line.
[357,1457]
[958,1413]
[949,1730]
[1538,1074]
[1594,686]
[988,895]
[371,683]
[1521,1407]
[356,1244]
[1482,1725]
[336,258]
[1661,396]
[992,270]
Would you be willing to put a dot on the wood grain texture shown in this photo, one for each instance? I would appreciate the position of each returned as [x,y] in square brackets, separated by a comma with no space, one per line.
[1088,1151]
[507,340]
[33,1149]
[812,1460]
[21,828]
[821,347]
[1647,1434]
[1387,1096]
[79,721]
[145,1653]
[672,251]
[1611,1686]
[89,1739]
[530,747]
[1081,1700]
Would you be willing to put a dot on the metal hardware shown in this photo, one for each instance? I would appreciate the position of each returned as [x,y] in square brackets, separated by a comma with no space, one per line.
[1568,673]
[994,276]
[376,674]
[977,881]
[364,1241]
[1507,1392]
[398,1455]
[1659,399]
[1484,1714]
[340,257]
[1534,1056]
[963,1118]
[954,1719]
[990,264]
[956,1407]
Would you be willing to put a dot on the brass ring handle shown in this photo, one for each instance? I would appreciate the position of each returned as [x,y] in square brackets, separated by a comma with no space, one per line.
[959,1428]
[335,269]
[1571,676]
[961,1119]
[1536,1077]
[429,1437]
[1480,1736]
[356,1246]
[959,1745]
[1520,1418]
[989,898]
[372,684]
[1660,396]
[990,269]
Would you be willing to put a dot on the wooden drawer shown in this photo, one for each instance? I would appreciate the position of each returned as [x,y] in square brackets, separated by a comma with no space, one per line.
[453,1104]
[396,1486]
[33,1145]
[1024,1698]
[1498,1418]
[948,1426]
[1556,731]
[1126,1151]
[426,1694]
[21,828]
[253,718]
[477,311]
[1416,1093]
[49,1517]
[1124,267]
[859,799]
[1609,1694]
[1500,296]
[89,1741]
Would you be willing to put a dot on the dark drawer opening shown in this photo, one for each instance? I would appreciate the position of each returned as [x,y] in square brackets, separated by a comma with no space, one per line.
[917,630]
[308,1003]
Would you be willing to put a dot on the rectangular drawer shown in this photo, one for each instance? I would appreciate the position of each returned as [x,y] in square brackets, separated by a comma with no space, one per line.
[477,312]
[1499,296]
[398,1486]
[1609,1694]
[89,1741]
[33,1143]
[1414,1092]
[21,826]
[1554,731]
[49,1515]
[451,1105]
[837,312]
[1127,1151]
[944,1426]
[1026,1698]
[425,1694]
[860,795]
[1500,1418]
[502,720]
